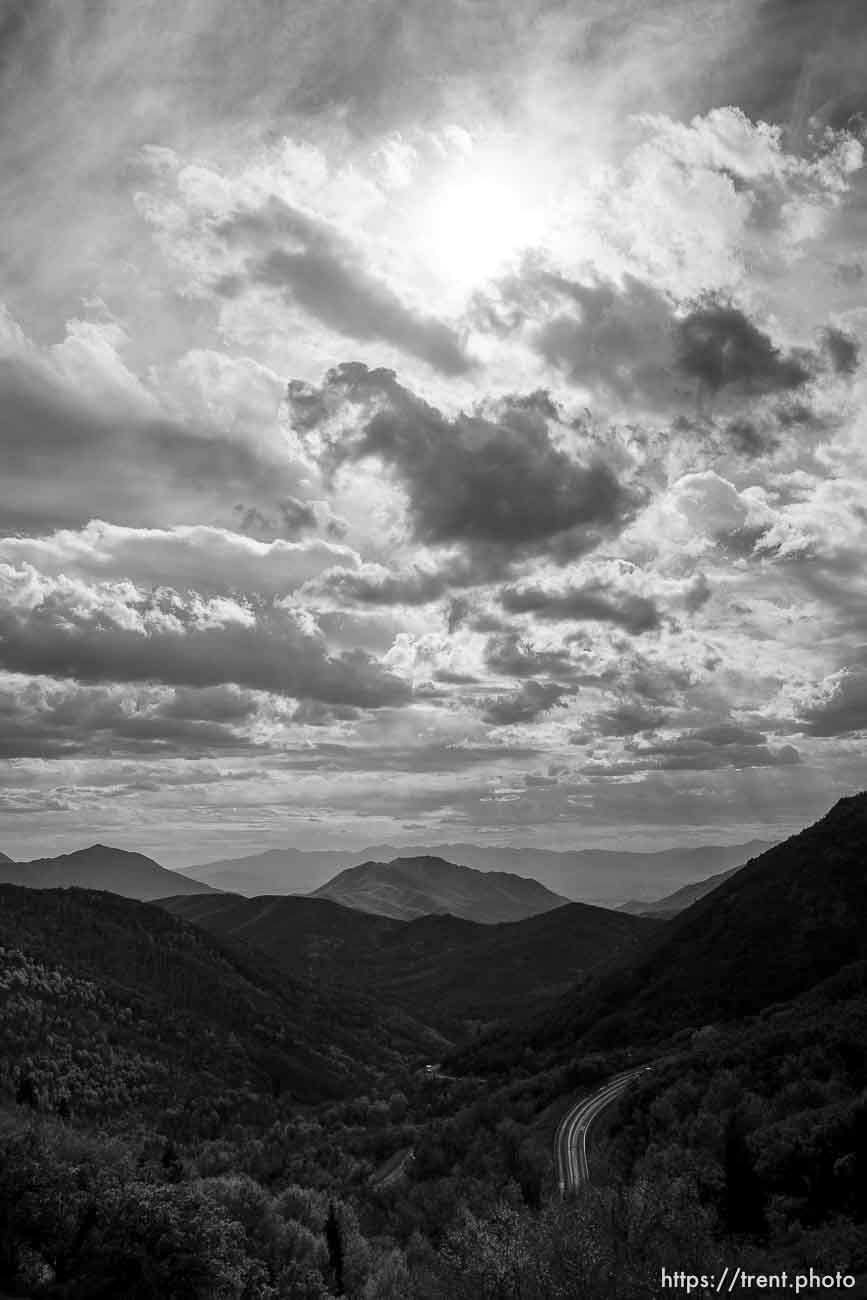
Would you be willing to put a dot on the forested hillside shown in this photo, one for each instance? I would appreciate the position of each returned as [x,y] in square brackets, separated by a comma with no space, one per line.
[442,969]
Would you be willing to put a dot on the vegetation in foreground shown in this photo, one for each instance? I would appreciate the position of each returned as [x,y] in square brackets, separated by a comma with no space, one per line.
[746,1143]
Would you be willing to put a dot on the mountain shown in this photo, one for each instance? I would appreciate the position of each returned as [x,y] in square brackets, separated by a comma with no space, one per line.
[604,876]
[409,887]
[442,969]
[120,1006]
[132,875]
[5,858]
[607,877]
[671,904]
[789,919]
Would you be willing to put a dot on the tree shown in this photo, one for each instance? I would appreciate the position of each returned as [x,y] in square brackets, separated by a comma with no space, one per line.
[171,1163]
[743,1198]
[26,1094]
[334,1242]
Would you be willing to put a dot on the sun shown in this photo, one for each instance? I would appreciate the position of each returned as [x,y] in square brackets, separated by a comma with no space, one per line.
[472,223]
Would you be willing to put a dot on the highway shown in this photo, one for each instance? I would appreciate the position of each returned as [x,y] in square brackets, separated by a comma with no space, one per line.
[570,1141]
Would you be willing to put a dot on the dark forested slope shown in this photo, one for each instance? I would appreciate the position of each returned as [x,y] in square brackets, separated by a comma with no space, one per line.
[441,968]
[119,1007]
[787,920]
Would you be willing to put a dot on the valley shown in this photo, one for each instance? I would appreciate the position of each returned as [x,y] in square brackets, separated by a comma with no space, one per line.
[459,1097]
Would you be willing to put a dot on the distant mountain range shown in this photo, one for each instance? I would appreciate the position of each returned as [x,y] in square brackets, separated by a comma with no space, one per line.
[771,931]
[680,900]
[132,875]
[440,969]
[607,877]
[411,887]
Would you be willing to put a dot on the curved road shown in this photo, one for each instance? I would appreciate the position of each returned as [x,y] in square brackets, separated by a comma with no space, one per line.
[570,1141]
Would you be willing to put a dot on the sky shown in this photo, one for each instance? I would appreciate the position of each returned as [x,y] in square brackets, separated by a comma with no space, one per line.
[430,422]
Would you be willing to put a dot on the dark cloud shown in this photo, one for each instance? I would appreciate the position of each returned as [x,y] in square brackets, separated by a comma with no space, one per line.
[298,516]
[500,485]
[511,655]
[628,340]
[381,587]
[844,711]
[214,703]
[658,683]
[451,678]
[176,646]
[705,749]
[68,459]
[324,275]
[435,757]
[621,341]
[628,719]
[720,347]
[67,720]
[291,518]
[314,713]
[591,603]
[528,703]
[698,593]
[748,437]
[843,351]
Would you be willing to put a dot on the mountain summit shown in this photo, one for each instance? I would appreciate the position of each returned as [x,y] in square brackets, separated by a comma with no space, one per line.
[411,887]
[132,875]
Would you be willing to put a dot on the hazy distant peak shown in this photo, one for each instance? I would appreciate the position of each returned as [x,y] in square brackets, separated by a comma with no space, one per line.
[99,866]
[409,887]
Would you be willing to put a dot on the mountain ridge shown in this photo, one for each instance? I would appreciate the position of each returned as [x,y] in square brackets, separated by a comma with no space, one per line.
[101,867]
[783,923]
[604,877]
[447,968]
[189,996]
[671,904]
[411,887]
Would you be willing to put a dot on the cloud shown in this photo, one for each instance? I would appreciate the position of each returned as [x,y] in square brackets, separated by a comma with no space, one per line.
[719,346]
[83,439]
[628,718]
[501,484]
[325,275]
[40,718]
[843,350]
[590,603]
[528,703]
[400,759]
[512,656]
[192,556]
[720,745]
[114,632]
[374,584]
[841,708]
[632,344]
[621,342]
